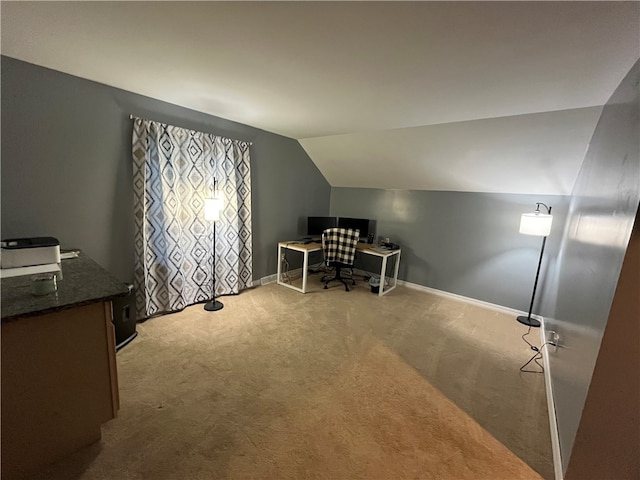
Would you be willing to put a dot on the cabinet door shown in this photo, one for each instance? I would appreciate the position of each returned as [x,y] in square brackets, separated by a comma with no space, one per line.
[111,352]
[59,385]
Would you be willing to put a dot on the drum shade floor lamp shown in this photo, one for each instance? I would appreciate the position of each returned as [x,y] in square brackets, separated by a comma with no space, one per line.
[538,224]
[212,208]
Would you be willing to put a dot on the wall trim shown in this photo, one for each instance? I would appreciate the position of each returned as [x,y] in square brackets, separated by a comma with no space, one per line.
[295,273]
[265,280]
[462,298]
[414,286]
[551,407]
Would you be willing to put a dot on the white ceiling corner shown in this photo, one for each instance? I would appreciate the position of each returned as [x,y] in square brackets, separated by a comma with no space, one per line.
[463,96]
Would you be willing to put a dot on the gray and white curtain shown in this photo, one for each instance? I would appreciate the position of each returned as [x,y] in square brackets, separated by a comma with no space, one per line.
[173,172]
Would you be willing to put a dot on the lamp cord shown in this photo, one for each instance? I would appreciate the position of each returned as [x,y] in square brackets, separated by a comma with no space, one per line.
[536,356]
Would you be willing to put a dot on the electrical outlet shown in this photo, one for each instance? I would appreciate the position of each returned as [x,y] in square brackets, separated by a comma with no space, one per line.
[549,334]
[553,338]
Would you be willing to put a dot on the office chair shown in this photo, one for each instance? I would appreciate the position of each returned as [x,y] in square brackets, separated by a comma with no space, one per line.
[339,250]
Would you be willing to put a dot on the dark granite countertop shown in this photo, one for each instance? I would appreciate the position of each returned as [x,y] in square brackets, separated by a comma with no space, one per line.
[83,282]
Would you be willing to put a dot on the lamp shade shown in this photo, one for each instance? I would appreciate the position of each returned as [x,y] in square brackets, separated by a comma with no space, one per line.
[536,223]
[212,209]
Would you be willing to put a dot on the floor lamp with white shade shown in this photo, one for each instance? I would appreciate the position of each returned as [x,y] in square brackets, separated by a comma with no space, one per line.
[538,224]
[212,208]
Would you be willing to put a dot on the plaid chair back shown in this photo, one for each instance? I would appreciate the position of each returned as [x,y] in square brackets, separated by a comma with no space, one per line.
[339,245]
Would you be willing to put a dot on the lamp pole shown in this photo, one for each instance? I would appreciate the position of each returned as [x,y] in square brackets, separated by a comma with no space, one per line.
[528,321]
[213,305]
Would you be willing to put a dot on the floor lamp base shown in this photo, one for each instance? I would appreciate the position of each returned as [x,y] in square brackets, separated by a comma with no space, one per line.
[529,322]
[213,306]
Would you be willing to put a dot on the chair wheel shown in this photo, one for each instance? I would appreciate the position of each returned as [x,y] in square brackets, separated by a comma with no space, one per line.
[325,286]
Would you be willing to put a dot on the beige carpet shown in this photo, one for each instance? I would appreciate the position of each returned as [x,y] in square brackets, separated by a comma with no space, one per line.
[331,385]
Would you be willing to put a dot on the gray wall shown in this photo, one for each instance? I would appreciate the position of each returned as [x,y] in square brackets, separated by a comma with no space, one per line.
[601,216]
[460,242]
[67,171]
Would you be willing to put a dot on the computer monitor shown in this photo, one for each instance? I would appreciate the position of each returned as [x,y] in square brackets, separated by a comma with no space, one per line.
[317,225]
[361,224]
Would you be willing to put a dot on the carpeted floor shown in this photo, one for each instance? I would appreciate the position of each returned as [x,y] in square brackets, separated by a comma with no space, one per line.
[327,385]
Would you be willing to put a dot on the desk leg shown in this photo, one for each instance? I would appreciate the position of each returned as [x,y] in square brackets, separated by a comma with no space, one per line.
[305,266]
[382,291]
[305,269]
[383,272]
[279,271]
[395,274]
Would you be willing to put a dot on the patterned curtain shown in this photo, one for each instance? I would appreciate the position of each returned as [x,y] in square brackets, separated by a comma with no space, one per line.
[173,172]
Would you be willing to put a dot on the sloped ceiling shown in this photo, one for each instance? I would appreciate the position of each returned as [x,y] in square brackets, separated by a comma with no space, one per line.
[465,96]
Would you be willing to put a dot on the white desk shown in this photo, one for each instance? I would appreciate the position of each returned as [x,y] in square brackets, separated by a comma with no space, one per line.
[365,248]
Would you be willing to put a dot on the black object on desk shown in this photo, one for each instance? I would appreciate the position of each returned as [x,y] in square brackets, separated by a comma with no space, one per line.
[124,318]
[301,241]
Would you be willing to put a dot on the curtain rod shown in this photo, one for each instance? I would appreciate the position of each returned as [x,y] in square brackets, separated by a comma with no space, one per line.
[131,117]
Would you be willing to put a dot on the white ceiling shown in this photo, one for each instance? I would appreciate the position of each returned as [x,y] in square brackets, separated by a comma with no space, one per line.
[466,96]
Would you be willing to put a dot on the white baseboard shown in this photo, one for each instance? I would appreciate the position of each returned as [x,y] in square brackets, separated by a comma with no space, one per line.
[500,308]
[551,407]
[266,280]
[472,301]
[295,273]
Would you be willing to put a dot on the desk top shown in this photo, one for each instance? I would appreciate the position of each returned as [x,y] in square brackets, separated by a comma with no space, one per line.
[84,282]
[316,246]
[301,247]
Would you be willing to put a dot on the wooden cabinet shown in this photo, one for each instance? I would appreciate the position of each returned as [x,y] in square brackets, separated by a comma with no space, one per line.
[59,384]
